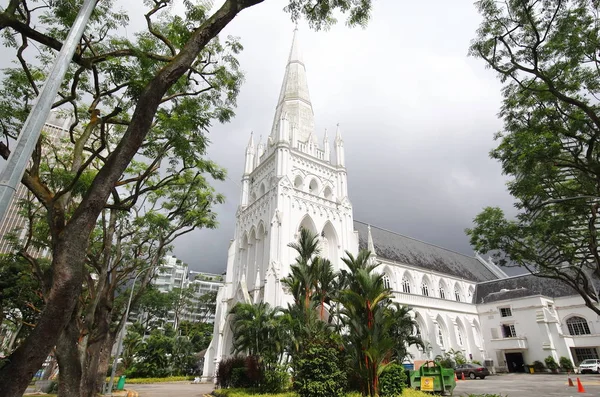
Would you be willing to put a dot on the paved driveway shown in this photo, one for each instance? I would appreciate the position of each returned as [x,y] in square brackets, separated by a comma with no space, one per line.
[175,389]
[526,385]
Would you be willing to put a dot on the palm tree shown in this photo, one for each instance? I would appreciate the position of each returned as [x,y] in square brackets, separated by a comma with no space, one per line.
[366,316]
[378,330]
[403,331]
[258,330]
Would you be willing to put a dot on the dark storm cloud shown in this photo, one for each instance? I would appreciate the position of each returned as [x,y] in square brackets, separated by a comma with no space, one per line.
[417,117]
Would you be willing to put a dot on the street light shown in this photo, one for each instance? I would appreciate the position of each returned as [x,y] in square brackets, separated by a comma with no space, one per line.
[13,172]
[121,336]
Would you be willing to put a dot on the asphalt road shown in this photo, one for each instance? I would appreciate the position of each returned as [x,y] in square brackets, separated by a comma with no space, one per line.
[510,385]
[175,389]
[526,385]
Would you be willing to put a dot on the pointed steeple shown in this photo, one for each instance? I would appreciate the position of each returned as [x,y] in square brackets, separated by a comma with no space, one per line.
[326,147]
[338,134]
[260,148]
[294,98]
[371,246]
[250,147]
[249,166]
[339,148]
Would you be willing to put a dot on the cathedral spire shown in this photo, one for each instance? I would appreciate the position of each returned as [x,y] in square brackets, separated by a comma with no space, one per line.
[250,153]
[294,98]
[339,148]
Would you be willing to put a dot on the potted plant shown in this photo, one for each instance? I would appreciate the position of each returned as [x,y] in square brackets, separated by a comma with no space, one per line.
[539,366]
[551,364]
[566,364]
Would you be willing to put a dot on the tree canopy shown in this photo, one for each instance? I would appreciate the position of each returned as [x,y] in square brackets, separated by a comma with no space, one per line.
[546,54]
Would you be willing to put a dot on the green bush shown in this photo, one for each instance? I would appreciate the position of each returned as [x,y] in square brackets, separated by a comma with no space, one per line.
[226,368]
[139,381]
[476,362]
[392,381]
[318,373]
[551,363]
[539,366]
[275,380]
[239,378]
[565,363]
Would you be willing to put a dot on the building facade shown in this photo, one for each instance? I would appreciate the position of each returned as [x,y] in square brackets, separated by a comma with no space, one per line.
[460,302]
[175,274]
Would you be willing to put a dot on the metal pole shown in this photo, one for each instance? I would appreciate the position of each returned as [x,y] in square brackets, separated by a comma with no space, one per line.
[121,336]
[30,132]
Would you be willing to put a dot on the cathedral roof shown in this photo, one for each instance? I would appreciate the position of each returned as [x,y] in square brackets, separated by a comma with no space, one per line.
[403,249]
[521,287]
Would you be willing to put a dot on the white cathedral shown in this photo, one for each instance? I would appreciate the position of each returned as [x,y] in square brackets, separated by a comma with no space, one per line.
[465,303]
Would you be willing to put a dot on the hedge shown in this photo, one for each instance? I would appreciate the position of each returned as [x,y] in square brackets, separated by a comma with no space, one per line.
[139,381]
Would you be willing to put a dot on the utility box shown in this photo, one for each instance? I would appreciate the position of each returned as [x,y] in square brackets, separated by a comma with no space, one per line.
[431,377]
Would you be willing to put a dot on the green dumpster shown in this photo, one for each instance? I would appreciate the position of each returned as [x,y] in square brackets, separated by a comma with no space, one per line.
[433,378]
[121,384]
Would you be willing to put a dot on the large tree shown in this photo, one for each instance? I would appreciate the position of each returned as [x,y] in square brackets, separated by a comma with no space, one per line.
[168,63]
[547,55]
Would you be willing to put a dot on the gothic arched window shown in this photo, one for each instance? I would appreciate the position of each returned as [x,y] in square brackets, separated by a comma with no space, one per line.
[440,336]
[459,335]
[405,285]
[386,281]
[313,187]
[578,326]
[425,288]
[457,295]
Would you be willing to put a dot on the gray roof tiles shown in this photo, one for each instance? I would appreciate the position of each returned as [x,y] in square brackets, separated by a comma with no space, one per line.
[403,249]
[521,287]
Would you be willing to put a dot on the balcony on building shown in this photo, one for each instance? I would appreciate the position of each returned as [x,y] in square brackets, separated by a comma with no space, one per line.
[509,343]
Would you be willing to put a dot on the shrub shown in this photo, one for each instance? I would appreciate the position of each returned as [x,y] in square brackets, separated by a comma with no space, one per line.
[225,370]
[392,381]
[476,362]
[446,363]
[275,380]
[566,363]
[551,363]
[317,371]
[539,366]
[239,378]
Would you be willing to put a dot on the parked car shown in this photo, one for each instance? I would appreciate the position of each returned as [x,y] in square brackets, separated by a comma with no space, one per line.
[589,365]
[472,371]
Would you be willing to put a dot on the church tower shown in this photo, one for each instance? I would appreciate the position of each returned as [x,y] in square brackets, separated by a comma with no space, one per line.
[289,182]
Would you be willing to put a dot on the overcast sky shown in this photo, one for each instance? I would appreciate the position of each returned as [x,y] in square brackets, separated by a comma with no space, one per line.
[417,118]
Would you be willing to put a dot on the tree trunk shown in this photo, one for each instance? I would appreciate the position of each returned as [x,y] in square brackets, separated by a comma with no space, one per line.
[67,264]
[104,359]
[69,364]
[89,382]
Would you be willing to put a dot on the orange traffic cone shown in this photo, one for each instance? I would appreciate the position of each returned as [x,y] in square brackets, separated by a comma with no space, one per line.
[455,377]
[462,376]
[580,388]
[571,382]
